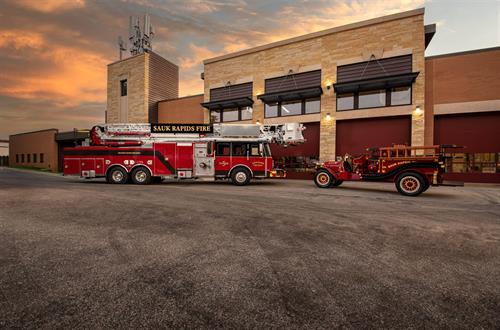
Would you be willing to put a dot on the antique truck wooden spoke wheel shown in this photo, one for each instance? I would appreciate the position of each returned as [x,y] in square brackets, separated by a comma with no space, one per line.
[410,184]
[323,179]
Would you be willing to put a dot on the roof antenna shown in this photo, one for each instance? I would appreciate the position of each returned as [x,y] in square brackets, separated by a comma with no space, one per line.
[122,46]
[140,40]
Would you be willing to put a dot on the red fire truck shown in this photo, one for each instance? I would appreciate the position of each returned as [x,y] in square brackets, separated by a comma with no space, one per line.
[145,153]
[412,169]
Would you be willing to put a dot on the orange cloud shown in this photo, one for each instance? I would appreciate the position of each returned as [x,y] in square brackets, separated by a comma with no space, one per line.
[190,85]
[296,21]
[198,54]
[47,6]
[20,39]
[77,75]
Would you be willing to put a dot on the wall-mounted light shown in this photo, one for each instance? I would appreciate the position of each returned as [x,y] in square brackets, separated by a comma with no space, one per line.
[328,116]
[418,110]
[258,122]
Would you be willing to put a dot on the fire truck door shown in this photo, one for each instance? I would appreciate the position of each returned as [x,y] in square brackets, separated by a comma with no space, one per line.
[203,159]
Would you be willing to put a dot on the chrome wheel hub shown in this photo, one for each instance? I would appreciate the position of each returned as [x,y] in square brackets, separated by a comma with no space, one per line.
[117,176]
[140,176]
[241,177]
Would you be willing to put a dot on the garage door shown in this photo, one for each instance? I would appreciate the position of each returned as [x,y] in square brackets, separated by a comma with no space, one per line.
[354,136]
[479,161]
[299,160]
[479,132]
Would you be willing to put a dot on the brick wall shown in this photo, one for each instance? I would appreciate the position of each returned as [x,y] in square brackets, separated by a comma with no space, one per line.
[184,110]
[40,142]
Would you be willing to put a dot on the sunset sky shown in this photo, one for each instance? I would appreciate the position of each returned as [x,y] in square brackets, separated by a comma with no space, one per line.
[53,53]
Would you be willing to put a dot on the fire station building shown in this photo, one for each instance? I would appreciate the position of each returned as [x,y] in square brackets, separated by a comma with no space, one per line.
[362,85]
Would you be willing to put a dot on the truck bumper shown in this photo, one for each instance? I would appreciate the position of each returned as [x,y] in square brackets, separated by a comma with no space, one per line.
[277,173]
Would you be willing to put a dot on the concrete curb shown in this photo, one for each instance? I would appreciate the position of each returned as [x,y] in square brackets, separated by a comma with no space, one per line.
[57,174]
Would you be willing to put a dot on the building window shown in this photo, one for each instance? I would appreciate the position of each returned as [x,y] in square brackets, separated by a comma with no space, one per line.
[313,106]
[345,101]
[374,98]
[215,116]
[22,158]
[34,158]
[28,158]
[486,162]
[246,113]
[17,158]
[231,114]
[123,87]
[271,110]
[41,158]
[292,108]
[401,95]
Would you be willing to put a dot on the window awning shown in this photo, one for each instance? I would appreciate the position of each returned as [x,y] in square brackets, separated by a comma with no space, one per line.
[224,104]
[399,80]
[290,95]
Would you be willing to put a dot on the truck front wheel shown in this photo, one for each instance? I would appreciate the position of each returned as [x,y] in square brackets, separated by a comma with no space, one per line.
[323,179]
[240,176]
[117,175]
[411,184]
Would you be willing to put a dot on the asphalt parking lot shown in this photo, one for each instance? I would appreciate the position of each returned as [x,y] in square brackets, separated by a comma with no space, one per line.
[275,254]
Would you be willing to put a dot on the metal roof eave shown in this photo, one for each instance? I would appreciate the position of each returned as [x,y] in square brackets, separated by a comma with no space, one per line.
[291,95]
[231,103]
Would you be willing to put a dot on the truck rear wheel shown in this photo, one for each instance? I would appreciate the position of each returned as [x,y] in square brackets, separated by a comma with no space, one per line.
[117,175]
[410,184]
[141,175]
[240,176]
[323,179]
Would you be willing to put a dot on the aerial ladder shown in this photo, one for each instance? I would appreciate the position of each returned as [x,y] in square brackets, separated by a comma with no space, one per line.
[142,134]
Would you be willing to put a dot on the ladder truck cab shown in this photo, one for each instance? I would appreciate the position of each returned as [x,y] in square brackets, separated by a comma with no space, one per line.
[145,153]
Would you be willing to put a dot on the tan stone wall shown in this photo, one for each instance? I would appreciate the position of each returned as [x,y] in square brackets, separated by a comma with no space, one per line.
[384,39]
[34,143]
[135,70]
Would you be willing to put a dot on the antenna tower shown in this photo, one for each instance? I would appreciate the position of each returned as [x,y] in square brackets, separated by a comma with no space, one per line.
[140,39]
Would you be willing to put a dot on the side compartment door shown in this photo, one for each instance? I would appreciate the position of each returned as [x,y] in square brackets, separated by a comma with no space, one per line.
[71,166]
[99,166]
[164,159]
[203,160]
[88,167]
[184,159]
